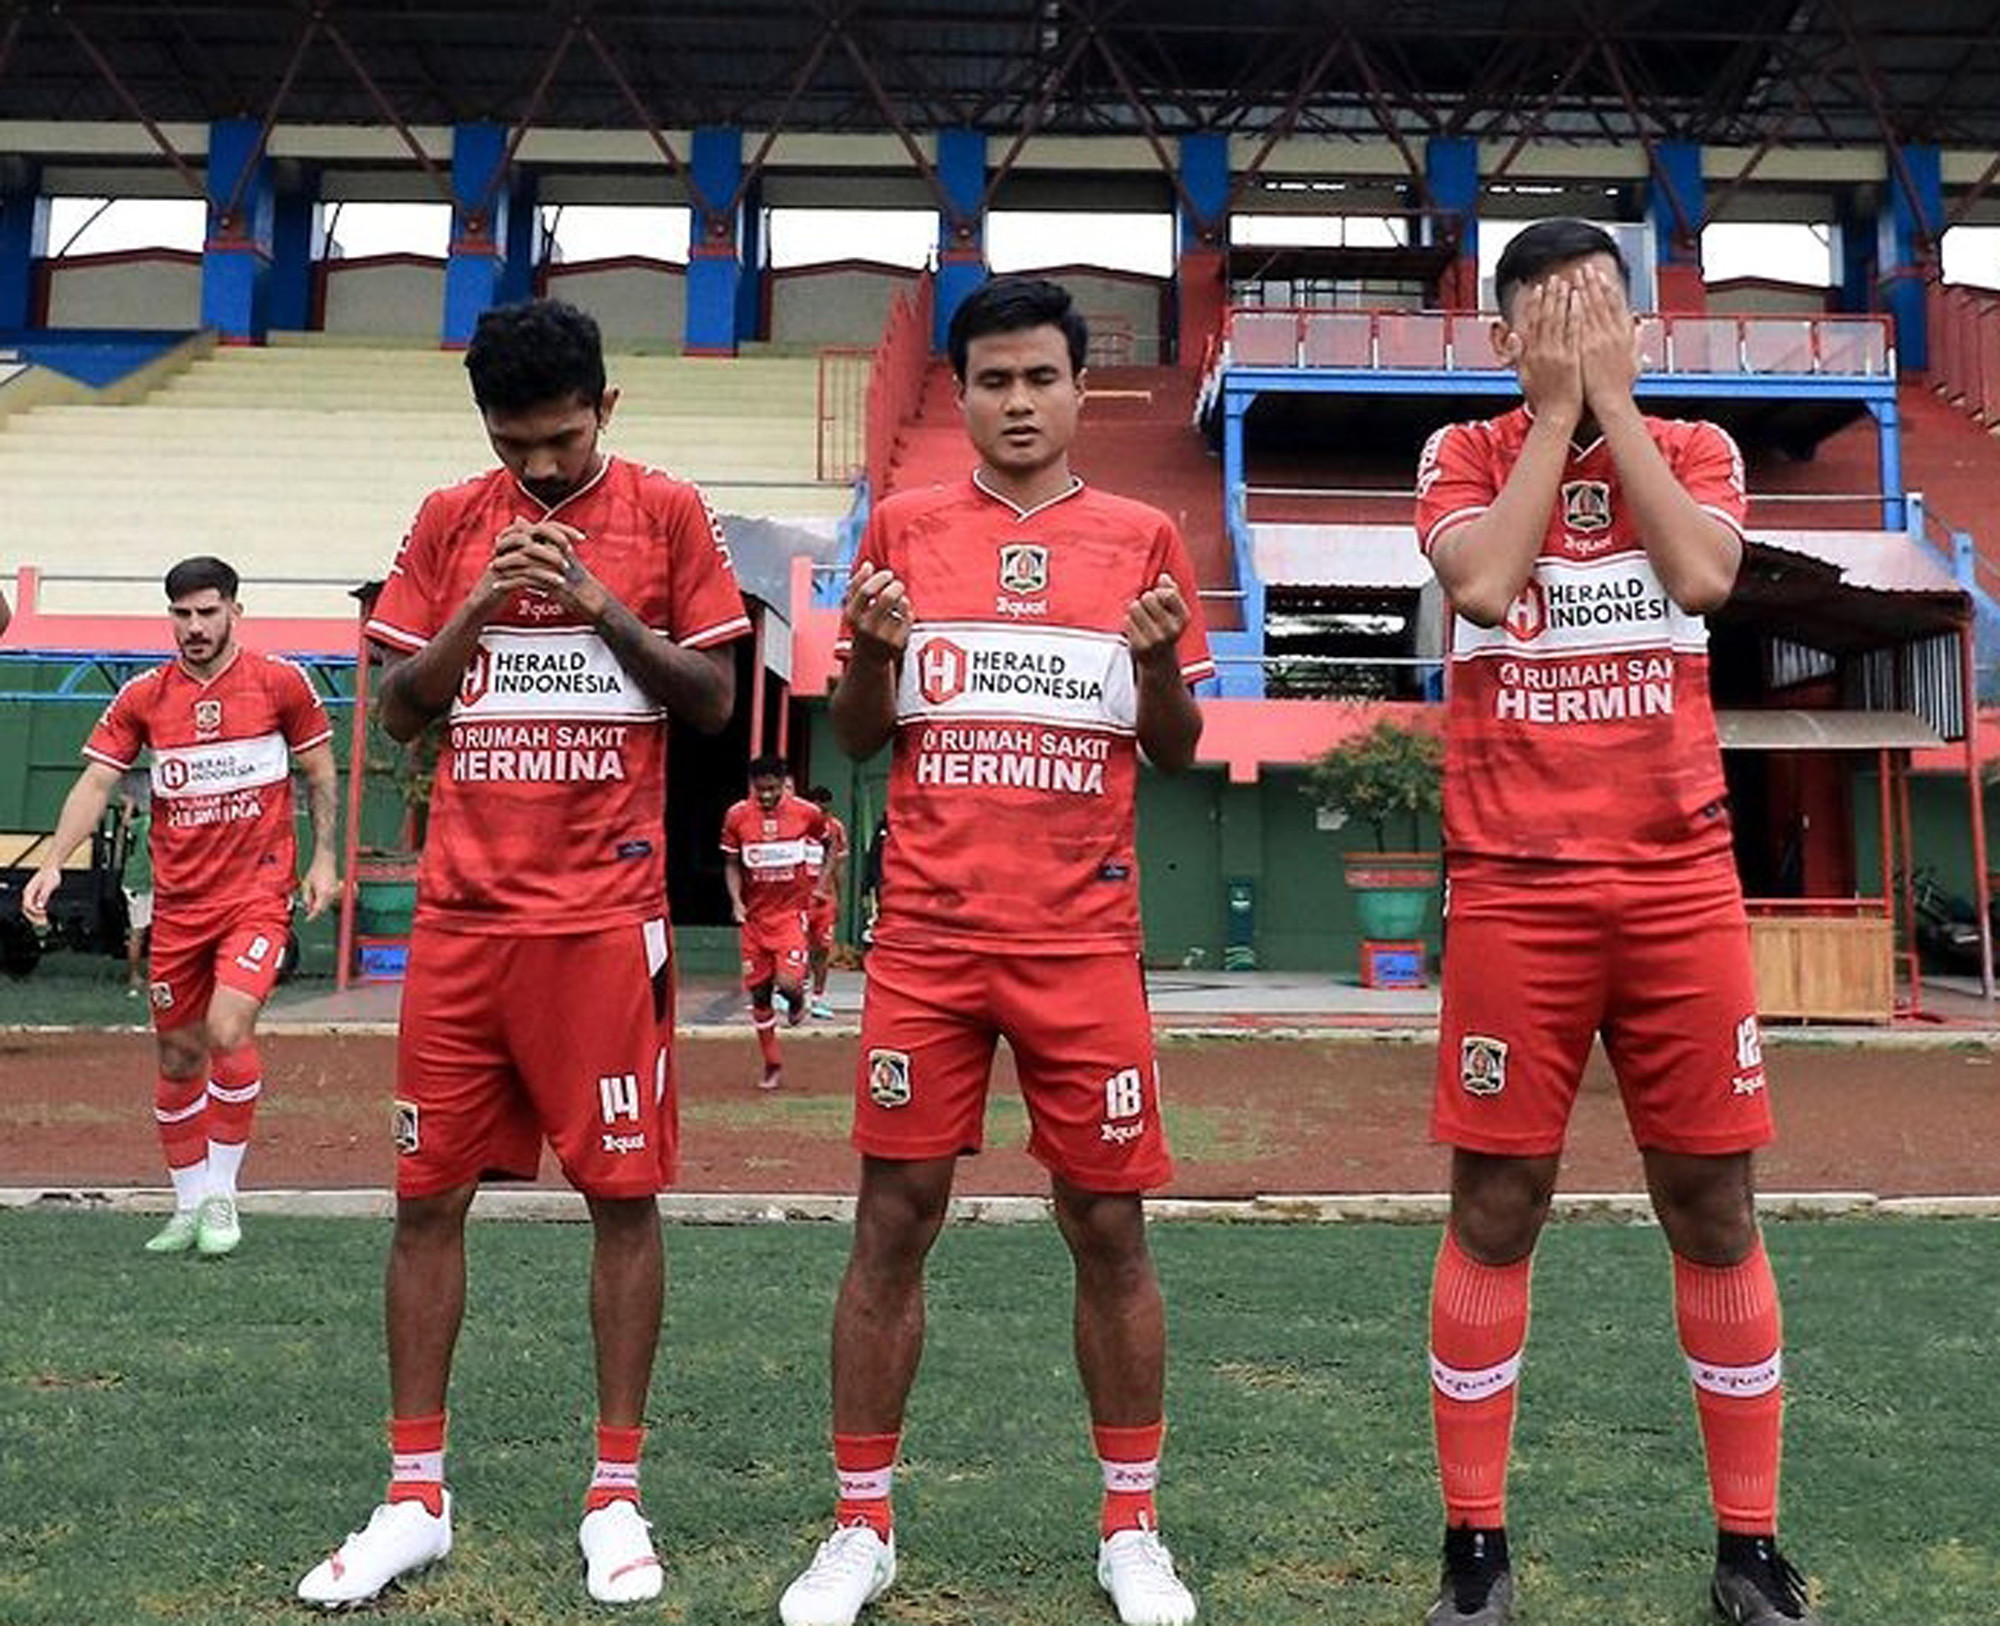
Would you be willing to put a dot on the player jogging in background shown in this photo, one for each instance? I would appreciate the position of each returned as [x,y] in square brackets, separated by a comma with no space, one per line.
[549,616]
[823,917]
[1020,637]
[767,839]
[1593,893]
[221,724]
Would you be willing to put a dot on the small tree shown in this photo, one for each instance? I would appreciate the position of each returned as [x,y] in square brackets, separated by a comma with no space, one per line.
[1389,771]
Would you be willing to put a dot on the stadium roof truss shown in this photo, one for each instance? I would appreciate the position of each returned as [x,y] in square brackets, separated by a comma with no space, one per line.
[1753,75]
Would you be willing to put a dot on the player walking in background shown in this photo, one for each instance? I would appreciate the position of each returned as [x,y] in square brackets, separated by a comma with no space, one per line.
[823,916]
[222,724]
[767,841]
[1593,892]
[1020,637]
[553,614]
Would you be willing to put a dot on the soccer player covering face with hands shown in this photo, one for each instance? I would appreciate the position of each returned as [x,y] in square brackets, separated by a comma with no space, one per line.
[1020,638]
[1592,893]
[549,616]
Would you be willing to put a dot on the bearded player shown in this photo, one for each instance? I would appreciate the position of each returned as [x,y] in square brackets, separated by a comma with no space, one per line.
[221,724]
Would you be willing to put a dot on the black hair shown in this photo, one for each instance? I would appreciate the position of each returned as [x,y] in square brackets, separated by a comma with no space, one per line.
[769,766]
[1010,305]
[534,354]
[821,795]
[1546,245]
[202,571]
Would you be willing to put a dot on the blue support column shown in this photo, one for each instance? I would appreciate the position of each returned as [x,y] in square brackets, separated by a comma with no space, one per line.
[524,239]
[1678,258]
[1858,232]
[715,264]
[476,261]
[1239,655]
[295,230]
[236,255]
[752,232]
[24,240]
[961,168]
[1907,248]
[1451,171]
[1201,260]
[1889,459]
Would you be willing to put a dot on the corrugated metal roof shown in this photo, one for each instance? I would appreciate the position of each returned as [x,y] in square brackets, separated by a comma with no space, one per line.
[1825,731]
[1879,561]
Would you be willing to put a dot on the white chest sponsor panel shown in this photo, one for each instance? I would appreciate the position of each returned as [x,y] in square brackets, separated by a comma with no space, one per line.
[1585,607]
[1053,676]
[775,859]
[565,672]
[221,767]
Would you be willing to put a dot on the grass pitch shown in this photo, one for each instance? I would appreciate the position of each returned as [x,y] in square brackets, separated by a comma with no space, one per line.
[180,1440]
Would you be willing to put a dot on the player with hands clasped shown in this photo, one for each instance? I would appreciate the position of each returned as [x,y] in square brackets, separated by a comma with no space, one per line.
[1017,638]
[1593,892]
[549,617]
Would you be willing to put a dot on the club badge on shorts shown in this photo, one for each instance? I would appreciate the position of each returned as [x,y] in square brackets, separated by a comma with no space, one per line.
[1482,1064]
[403,1126]
[889,1078]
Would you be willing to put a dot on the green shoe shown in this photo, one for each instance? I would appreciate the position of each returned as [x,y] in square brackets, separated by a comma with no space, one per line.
[177,1235]
[217,1230]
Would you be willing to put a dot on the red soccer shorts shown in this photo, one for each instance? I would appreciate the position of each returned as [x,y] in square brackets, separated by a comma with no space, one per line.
[1083,1046]
[190,957]
[821,916]
[505,1041]
[774,948]
[1539,959]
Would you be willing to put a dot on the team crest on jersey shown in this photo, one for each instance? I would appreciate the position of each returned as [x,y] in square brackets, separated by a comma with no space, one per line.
[1024,568]
[889,1078]
[1482,1064]
[403,1126]
[1586,505]
[207,718]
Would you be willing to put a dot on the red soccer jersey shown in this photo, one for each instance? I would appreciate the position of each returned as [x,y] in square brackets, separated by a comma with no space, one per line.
[547,811]
[222,775]
[1013,782]
[777,853]
[1580,728]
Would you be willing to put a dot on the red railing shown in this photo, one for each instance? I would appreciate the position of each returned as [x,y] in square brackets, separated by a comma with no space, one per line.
[1845,346]
[896,379]
[1964,332]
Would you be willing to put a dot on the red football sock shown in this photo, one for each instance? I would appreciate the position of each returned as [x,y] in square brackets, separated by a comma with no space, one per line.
[864,1464]
[1130,1458]
[416,1461]
[180,1107]
[1479,1326]
[616,1477]
[1731,1334]
[766,1024]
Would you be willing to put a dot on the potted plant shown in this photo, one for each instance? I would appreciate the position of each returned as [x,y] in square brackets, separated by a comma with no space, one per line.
[385,888]
[1388,778]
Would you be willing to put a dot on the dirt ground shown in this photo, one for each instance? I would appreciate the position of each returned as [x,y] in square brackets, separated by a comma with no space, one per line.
[1245,1116]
